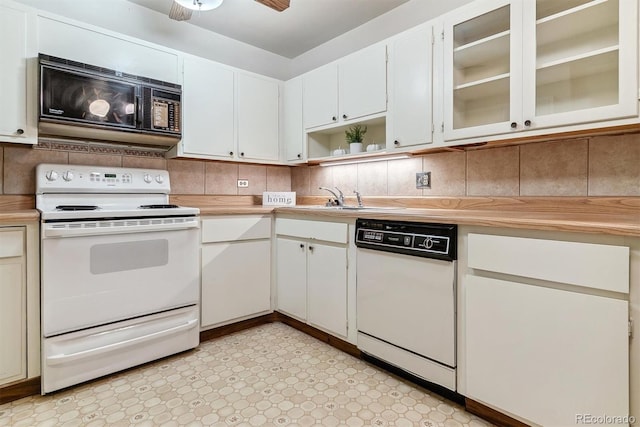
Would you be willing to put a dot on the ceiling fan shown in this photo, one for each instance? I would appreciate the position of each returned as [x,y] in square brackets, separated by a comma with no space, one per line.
[181,10]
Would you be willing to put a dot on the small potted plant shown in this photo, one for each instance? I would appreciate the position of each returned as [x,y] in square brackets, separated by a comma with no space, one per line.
[354,136]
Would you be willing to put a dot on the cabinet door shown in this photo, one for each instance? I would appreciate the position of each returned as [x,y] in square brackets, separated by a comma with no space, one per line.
[207,108]
[320,96]
[483,69]
[410,109]
[15,48]
[363,83]
[544,354]
[293,128]
[580,61]
[106,49]
[13,313]
[257,103]
[327,287]
[236,280]
[291,277]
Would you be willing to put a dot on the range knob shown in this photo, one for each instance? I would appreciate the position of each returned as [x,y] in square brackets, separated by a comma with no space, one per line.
[147,178]
[51,175]
[67,176]
[159,179]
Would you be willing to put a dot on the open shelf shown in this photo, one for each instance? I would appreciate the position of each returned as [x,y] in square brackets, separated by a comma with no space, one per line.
[482,27]
[587,82]
[599,62]
[483,88]
[546,8]
[483,51]
[572,24]
[323,143]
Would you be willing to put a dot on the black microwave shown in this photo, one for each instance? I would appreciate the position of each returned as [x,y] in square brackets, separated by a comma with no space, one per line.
[85,101]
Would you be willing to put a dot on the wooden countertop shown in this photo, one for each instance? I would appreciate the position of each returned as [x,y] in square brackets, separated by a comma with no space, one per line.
[615,224]
[19,216]
[236,210]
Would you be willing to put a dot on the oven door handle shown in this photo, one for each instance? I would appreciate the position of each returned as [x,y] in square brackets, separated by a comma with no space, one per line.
[66,358]
[53,231]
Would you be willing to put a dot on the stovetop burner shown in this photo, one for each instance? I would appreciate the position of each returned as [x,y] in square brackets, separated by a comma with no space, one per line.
[76,208]
[158,206]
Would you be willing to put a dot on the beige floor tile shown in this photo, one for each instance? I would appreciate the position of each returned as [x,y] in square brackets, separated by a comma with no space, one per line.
[278,178]
[187,176]
[493,172]
[320,176]
[257,176]
[271,375]
[221,178]
[614,166]
[448,175]
[372,178]
[402,177]
[300,180]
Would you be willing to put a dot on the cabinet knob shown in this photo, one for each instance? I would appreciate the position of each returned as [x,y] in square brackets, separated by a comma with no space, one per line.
[527,123]
[301,245]
[396,142]
[299,155]
[20,131]
[514,125]
[344,116]
[310,248]
[231,153]
[334,118]
[242,154]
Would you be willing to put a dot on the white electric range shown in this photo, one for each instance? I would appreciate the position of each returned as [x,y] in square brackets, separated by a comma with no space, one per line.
[119,271]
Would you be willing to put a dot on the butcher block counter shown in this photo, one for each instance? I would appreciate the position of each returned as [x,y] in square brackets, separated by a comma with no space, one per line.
[600,215]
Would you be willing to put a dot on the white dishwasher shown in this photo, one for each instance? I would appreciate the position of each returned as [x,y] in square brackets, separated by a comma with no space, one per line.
[406,303]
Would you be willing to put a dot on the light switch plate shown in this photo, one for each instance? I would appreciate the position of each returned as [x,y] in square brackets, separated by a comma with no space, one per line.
[243,183]
[423,180]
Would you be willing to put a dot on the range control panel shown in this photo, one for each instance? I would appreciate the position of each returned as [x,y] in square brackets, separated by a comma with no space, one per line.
[410,238]
[52,178]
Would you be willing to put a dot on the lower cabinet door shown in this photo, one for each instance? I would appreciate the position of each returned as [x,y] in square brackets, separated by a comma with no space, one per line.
[292,277]
[327,287]
[546,355]
[13,316]
[236,280]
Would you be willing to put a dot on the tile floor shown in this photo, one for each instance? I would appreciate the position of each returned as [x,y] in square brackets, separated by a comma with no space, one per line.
[272,375]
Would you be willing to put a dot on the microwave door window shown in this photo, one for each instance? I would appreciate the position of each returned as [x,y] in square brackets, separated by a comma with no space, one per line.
[86,99]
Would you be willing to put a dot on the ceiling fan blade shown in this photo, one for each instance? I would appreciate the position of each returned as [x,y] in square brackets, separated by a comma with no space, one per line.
[179,13]
[278,5]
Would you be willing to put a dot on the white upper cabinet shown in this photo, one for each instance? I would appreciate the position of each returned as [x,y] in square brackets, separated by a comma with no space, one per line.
[207,108]
[581,65]
[293,132]
[410,119]
[518,65]
[17,75]
[320,91]
[362,80]
[228,115]
[105,49]
[349,89]
[257,103]
[482,69]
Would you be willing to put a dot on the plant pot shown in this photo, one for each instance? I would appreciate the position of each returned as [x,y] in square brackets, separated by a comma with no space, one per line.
[355,147]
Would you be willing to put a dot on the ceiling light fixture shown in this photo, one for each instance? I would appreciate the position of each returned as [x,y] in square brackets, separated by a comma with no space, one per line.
[364,160]
[199,5]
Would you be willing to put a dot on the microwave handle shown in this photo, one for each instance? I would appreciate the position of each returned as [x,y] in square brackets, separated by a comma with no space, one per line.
[139,107]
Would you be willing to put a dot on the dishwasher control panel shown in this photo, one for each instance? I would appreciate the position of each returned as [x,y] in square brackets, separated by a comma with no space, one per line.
[410,238]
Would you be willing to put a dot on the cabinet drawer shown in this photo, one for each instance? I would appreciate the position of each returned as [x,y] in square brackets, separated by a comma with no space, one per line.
[583,264]
[319,230]
[11,243]
[225,229]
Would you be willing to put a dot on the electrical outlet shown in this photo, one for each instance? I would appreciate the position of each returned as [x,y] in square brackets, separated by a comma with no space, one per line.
[423,180]
[243,183]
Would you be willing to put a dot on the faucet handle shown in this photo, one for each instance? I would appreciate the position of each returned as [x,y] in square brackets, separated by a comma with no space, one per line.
[359,197]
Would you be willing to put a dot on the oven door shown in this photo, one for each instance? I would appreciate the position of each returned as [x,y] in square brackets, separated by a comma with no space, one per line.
[100,272]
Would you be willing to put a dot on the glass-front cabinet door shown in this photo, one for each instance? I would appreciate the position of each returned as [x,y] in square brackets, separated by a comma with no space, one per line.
[518,65]
[580,62]
[482,69]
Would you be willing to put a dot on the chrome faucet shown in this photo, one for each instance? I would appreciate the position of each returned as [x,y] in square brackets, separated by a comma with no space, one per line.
[359,197]
[339,199]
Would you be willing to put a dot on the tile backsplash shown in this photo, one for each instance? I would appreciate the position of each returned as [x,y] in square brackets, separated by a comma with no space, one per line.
[599,166]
